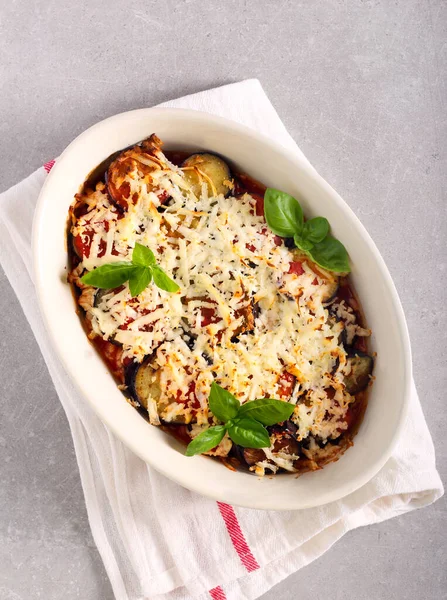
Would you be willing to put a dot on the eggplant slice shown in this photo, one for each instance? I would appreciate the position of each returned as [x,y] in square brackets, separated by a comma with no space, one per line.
[209,168]
[361,368]
[252,455]
[144,385]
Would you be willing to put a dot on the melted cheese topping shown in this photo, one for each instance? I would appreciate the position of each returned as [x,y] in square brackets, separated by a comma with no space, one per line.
[242,316]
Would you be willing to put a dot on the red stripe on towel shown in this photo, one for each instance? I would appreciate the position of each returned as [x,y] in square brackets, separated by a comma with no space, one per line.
[217,593]
[237,537]
[48,166]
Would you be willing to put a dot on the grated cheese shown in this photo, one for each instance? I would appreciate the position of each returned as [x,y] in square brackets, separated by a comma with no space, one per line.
[225,261]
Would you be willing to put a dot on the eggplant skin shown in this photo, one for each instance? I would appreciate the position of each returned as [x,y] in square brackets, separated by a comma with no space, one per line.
[361,368]
[131,370]
[213,168]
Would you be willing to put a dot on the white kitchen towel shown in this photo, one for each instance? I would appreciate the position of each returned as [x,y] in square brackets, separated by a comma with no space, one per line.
[158,540]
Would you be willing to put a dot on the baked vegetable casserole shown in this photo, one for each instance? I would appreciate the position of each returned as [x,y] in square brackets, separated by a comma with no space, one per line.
[226,318]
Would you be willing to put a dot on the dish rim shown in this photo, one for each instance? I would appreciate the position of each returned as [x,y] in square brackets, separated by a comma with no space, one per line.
[347,486]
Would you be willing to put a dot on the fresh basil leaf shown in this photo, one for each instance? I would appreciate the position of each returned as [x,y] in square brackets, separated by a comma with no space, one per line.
[223,405]
[267,410]
[302,243]
[208,439]
[282,212]
[331,255]
[139,280]
[162,281]
[110,275]
[316,229]
[248,433]
[143,256]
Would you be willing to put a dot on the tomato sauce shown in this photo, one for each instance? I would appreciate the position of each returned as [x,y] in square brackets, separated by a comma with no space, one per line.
[189,398]
[112,355]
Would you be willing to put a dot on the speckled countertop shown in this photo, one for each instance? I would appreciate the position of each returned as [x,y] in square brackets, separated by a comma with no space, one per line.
[361,86]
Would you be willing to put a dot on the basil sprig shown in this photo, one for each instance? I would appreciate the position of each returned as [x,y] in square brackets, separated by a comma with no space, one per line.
[245,423]
[284,216]
[139,273]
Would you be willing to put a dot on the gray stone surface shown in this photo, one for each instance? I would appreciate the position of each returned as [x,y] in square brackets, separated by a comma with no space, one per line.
[361,86]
